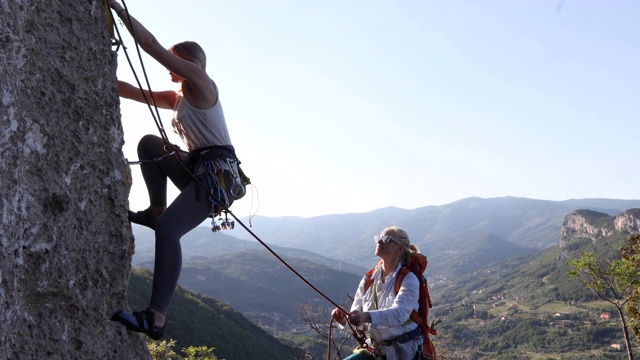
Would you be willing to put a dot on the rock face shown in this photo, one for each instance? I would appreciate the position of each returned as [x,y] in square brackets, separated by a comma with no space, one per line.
[593,225]
[65,239]
[628,221]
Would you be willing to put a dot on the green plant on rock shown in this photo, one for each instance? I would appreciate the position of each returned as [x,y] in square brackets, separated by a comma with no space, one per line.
[163,350]
[199,353]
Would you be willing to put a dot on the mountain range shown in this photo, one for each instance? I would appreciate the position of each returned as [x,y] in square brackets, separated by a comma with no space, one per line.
[473,245]
[489,229]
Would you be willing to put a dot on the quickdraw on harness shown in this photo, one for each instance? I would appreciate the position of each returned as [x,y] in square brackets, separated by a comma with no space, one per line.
[216,181]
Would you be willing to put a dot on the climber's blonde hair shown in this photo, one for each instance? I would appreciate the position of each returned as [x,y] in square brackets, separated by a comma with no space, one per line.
[190,51]
[403,238]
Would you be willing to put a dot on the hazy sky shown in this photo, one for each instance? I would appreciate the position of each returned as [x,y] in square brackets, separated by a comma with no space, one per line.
[350,106]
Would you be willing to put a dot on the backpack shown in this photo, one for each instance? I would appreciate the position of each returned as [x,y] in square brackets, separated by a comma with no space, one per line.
[417,265]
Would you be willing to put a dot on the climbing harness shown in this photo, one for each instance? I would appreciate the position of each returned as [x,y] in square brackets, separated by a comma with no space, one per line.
[219,171]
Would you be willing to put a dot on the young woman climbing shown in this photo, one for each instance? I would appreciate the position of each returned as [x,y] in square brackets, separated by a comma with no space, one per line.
[209,167]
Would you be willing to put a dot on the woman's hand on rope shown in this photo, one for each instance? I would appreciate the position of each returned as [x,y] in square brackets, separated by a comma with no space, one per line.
[119,9]
[358,318]
[114,5]
[340,315]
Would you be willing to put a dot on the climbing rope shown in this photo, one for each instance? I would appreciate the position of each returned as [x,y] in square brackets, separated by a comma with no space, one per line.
[155,115]
[358,335]
[140,162]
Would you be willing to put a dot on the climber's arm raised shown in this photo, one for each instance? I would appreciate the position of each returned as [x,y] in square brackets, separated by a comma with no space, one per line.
[193,73]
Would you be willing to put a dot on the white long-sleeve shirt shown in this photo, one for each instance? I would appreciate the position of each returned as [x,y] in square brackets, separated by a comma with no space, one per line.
[392,311]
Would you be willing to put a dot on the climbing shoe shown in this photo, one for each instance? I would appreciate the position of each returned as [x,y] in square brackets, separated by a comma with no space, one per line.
[140,321]
[144,217]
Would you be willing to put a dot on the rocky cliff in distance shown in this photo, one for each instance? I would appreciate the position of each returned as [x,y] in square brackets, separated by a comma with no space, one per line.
[628,221]
[594,226]
[65,239]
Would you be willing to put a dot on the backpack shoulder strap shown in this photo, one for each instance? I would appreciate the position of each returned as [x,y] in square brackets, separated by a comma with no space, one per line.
[400,277]
[368,279]
[402,273]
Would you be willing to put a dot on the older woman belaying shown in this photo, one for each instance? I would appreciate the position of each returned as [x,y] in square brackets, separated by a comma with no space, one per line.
[384,313]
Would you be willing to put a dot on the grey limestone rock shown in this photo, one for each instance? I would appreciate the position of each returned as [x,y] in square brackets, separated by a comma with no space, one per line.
[65,240]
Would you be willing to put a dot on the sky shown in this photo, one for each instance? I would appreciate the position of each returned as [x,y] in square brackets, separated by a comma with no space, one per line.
[341,107]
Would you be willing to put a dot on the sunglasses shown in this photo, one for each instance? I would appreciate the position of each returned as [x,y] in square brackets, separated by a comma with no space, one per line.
[385,239]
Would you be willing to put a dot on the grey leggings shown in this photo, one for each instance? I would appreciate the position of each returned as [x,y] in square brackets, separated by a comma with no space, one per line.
[185,213]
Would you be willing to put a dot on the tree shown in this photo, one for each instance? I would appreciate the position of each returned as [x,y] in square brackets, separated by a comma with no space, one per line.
[612,281]
[631,253]
[315,317]
[199,353]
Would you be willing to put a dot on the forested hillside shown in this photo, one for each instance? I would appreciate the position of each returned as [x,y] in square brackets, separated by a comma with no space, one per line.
[497,300]
[263,289]
[528,305]
[199,320]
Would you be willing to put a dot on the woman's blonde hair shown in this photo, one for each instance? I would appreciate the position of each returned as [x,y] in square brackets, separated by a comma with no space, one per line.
[403,237]
[190,51]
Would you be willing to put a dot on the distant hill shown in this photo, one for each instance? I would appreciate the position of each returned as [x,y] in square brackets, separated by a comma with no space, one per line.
[529,305]
[201,243]
[478,275]
[461,254]
[267,292]
[527,224]
[458,238]
[203,321]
